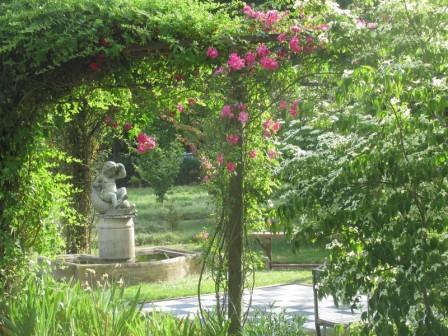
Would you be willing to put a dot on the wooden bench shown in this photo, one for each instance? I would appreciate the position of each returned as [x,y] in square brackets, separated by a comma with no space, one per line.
[267,236]
[328,320]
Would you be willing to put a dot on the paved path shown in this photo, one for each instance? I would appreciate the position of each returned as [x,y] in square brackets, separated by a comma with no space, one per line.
[294,298]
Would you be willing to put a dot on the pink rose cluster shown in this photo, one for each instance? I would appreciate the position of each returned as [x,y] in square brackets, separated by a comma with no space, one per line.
[270,127]
[145,143]
[293,110]
[267,19]
[206,164]
[235,62]
[230,165]
[226,112]
[233,138]
[306,45]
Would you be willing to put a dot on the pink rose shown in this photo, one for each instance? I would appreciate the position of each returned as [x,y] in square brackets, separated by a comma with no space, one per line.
[253,154]
[282,105]
[94,67]
[271,154]
[248,10]
[212,52]
[220,71]
[243,117]
[267,124]
[226,111]
[240,106]
[233,138]
[263,51]
[250,58]
[324,26]
[180,108]
[127,127]
[141,148]
[281,38]
[269,63]
[293,111]
[230,166]
[220,159]
[236,62]
[145,143]
[271,17]
[294,44]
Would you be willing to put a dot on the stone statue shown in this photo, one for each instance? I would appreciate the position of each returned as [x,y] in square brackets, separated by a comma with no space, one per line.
[106,198]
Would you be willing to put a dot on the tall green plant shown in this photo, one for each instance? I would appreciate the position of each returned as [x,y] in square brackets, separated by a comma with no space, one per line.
[40,205]
[47,307]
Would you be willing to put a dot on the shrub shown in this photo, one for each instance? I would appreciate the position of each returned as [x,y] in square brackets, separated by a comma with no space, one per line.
[189,172]
[160,168]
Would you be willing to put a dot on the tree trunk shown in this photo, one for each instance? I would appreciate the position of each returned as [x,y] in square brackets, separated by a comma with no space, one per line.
[79,141]
[235,252]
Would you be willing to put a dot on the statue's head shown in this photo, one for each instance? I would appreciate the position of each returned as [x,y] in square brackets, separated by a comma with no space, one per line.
[109,166]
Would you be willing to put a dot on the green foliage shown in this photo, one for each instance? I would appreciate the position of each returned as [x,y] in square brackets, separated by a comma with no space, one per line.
[48,48]
[47,307]
[172,217]
[266,322]
[160,167]
[189,171]
[368,175]
[50,33]
[36,213]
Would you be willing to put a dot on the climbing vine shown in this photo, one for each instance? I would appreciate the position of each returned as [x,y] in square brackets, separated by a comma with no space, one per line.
[47,49]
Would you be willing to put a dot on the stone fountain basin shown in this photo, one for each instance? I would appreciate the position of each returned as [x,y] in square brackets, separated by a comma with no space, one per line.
[150,265]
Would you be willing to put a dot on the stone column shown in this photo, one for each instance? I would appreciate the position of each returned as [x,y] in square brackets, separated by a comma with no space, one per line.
[116,237]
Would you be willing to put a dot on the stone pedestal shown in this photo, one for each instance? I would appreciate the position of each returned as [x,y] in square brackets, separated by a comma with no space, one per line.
[116,238]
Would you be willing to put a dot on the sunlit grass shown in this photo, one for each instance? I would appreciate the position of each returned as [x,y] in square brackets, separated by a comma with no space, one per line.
[189,285]
[186,212]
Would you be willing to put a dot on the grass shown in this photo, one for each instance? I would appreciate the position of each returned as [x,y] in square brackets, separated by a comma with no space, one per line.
[189,285]
[185,213]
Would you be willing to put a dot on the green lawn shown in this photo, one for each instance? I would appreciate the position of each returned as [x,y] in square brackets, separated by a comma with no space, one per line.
[185,213]
[189,286]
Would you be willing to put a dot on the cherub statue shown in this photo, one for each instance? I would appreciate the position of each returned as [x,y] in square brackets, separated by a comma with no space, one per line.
[105,196]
